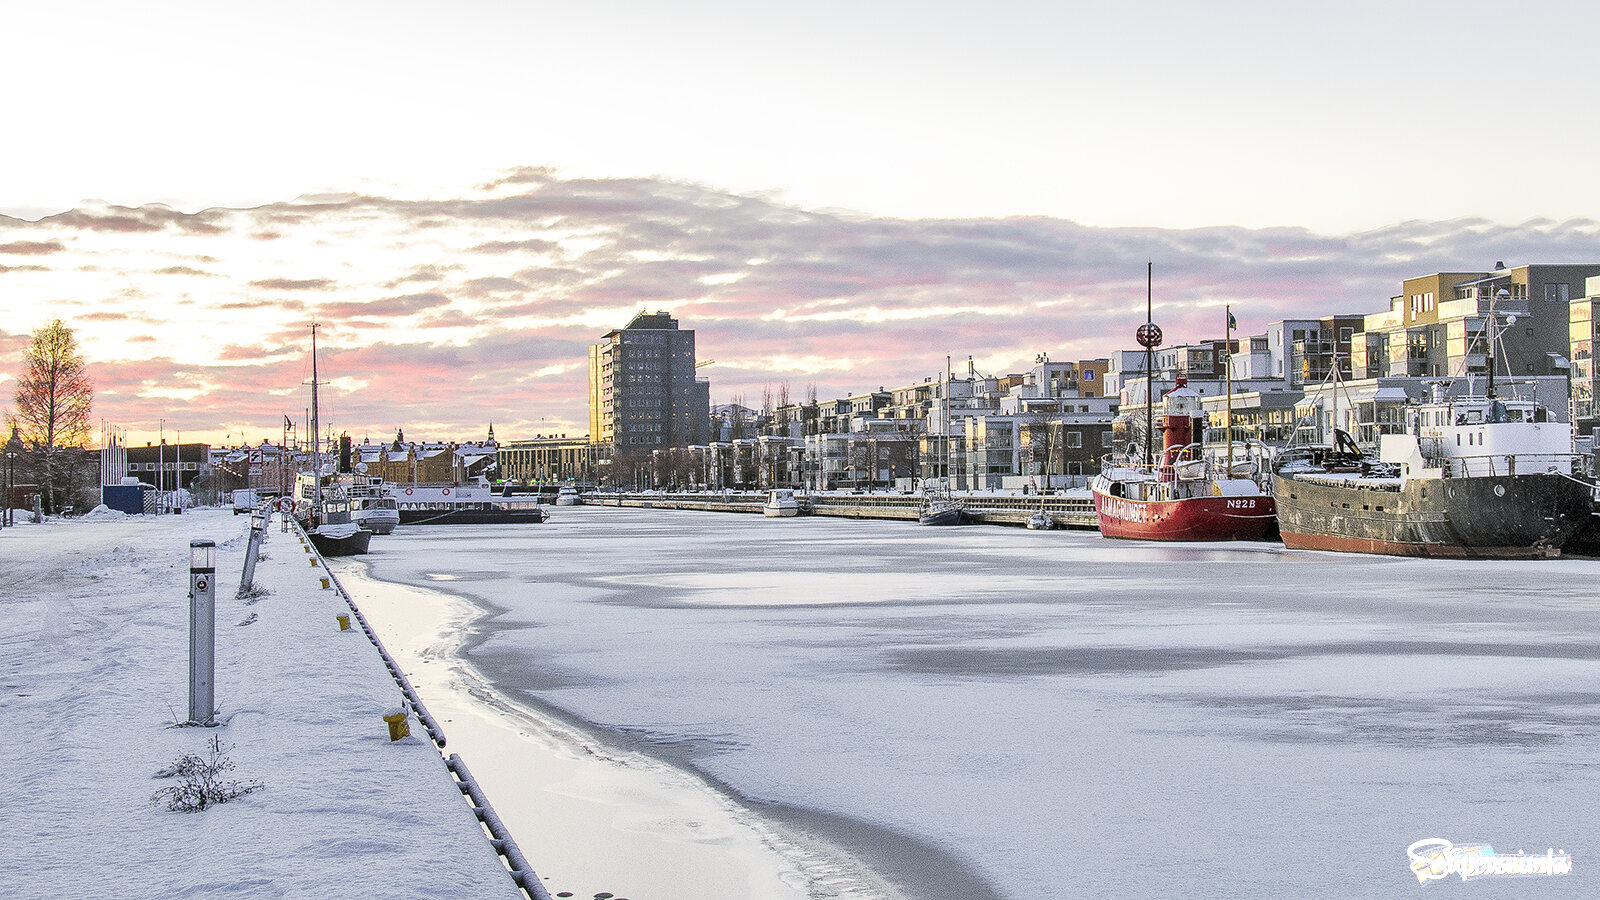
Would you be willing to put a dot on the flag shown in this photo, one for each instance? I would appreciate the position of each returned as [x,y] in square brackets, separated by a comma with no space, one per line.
[1232,322]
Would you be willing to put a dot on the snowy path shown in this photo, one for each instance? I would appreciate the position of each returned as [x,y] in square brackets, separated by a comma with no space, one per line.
[93,674]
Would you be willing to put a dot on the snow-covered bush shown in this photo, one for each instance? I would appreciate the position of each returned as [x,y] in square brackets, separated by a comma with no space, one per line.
[201,785]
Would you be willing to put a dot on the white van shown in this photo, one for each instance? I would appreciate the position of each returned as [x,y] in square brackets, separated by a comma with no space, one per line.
[244,500]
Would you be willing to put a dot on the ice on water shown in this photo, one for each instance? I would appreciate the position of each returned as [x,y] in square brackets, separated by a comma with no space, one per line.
[1047,714]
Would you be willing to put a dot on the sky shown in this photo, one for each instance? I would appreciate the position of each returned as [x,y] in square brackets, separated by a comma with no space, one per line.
[465,195]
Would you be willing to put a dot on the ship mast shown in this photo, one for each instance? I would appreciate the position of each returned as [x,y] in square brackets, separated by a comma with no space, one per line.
[1149,336]
[1227,351]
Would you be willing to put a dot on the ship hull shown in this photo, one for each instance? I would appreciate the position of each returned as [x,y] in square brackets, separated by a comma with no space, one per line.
[531,516]
[1189,519]
[1490,517]
[353,544]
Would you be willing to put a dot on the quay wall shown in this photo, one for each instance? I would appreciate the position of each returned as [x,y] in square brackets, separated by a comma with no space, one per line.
[1075,512]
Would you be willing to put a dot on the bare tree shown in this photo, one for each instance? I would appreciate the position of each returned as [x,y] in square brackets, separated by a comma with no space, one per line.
[53,399]
[736,417]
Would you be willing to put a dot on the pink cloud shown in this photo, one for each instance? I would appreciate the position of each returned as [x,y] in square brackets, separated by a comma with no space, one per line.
[863,302]
[31,248]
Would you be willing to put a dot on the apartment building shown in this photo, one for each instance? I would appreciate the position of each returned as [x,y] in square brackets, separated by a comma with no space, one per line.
[643,393]
[1583,326]
[1440,324]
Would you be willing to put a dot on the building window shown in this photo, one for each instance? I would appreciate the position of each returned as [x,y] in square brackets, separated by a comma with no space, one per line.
[1105,439]
[1088,374]
[1074,439]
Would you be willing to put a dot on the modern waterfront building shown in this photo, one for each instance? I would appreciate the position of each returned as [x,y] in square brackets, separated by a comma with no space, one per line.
[1438,326]
[1583,326]
[643,394]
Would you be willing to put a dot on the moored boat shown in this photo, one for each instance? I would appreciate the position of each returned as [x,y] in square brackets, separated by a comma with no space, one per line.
[567,496]
[372,503]
[347,539]
[1184,495]
[1473,477]
[465,505]
[941,508]
[780,503]
[326,504]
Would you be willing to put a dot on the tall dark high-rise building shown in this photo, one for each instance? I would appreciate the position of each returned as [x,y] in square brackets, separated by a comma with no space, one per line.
[643,394]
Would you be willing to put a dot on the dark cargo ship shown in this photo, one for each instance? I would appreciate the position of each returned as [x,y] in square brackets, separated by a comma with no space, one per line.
[1472,478]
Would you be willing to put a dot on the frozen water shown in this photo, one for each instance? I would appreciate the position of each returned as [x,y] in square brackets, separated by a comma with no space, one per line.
[999,712]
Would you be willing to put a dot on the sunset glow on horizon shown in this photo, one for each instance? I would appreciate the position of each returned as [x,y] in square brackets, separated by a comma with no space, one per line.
[443,315]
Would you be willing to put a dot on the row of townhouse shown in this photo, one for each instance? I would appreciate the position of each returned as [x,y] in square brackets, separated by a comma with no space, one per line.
[1044,428]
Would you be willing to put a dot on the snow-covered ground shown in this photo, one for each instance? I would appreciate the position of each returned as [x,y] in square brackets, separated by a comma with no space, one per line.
[988,712]
[94,676]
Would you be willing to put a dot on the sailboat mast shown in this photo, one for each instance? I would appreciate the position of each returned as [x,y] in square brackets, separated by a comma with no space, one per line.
[316,434]
[947,379]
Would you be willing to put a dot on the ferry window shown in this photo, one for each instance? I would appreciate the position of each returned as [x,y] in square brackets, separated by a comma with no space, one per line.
[1458,440]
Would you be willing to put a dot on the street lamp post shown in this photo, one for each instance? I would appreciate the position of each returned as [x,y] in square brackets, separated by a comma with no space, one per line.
[13,450]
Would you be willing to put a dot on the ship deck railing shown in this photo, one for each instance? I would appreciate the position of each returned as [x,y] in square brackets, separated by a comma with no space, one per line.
[1506,464]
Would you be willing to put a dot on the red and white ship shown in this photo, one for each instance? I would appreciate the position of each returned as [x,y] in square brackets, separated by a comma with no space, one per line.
[1184,496]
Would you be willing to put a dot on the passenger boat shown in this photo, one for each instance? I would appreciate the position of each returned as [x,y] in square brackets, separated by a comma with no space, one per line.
[1184,495]
[465,505]
[1474,477]
[780,503]
[567,496]
[372,503]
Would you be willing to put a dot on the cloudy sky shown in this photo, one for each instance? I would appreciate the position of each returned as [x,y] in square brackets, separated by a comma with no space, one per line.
[465,195]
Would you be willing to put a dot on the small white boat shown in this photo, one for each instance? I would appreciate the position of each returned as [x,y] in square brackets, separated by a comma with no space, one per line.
[567,496]
[780,503]
[372,504]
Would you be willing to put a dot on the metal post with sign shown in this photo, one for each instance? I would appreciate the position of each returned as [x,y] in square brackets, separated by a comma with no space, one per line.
[202,631]
[258,531]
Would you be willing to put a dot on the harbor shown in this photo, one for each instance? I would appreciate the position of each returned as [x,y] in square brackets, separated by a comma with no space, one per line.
[988,712]
[966,452]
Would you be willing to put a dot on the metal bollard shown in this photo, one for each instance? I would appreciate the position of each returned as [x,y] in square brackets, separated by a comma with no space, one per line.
[398,727]
[202,631]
